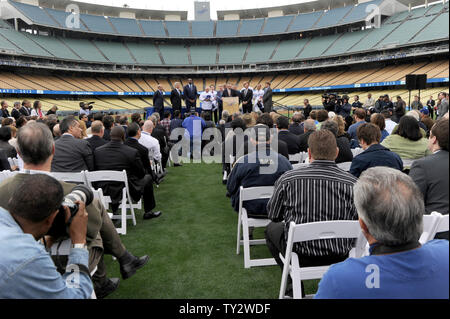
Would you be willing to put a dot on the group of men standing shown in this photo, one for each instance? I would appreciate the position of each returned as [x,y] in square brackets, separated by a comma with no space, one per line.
[212,100]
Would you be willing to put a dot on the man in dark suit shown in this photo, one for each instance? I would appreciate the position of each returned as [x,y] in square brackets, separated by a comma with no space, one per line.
[175,97]
[297,124]
[190,95]
[292,140]
[96,140]
[307,108]
[431,173]
[246,98]
[430,105]
[4,109]
[25,110]
[72,154]
[158,101]
[267,98]
[230,92]
[15,111]
[116,156]
[309,127]
[159,132]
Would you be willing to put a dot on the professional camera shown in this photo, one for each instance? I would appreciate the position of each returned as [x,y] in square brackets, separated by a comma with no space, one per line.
[79,193]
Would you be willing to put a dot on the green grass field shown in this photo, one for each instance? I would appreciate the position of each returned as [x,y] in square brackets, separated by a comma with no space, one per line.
[192,246]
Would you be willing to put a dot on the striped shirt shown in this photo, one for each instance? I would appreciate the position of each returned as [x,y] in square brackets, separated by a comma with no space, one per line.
[319,192]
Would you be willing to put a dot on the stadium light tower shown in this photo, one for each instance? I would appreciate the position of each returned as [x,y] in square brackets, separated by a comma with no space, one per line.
[202,10]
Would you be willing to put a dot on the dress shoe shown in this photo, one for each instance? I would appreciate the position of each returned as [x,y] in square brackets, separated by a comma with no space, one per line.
[150,215]
[129,269]
[109,287]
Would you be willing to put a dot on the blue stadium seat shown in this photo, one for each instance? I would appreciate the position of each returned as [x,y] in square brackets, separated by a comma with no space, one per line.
[144,53]
[22,41]
[97,23]
[203,29]
[251,27]
[232,53]
[305,21]
[174,54]
[35,14]
[288,50]
[277,24]
[115,52]
[260,51]
[126,26]
[203,54]
[359,12]
[153,28]
[436,30]
[333,17]
[227,28]
[405,31]
[178,28]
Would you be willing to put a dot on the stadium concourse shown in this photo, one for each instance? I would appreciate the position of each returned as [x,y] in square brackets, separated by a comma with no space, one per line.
[325,140]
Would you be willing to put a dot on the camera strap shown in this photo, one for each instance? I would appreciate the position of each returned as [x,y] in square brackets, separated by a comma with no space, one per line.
[381,249]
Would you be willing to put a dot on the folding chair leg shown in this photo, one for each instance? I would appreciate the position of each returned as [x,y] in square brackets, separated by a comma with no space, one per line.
[246,243]
[284,279]
[238,240]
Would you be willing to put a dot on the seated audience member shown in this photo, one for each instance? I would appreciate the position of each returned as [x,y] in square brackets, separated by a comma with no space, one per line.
[108,123]
[280,146]
[260,167]
[319,192]
[56,132]
[166,122]
[5,136]
[345,152]
[116,156]
[176,121]
[378,120]
[390,209]
[309,127]
[13,140]
[36,148]
[374,154]
[134,134]
[159,132]
[149,141]
[26,268]
[425,119]
[21,121]
[416,115]
[72,154]
[359,116]
[236,145]
[292,140]
[407,141]
[322,116]
[341,127]
[96,140]
[431,173]
[389,123]
[136,118]
[123,121]
[297,124]
[248,119]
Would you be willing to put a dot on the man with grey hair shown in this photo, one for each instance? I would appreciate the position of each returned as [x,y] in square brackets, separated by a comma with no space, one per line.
[15,113]
[149,141]
[443,105]
[96,140]
[390,208]
[36,148]
[309,127]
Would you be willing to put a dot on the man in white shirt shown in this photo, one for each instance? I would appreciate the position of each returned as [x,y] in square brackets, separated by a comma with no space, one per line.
[370,102]
[390,124]
[207,99]
[149,141]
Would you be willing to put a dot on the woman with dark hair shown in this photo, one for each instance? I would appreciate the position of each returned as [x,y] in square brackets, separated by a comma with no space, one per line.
[379,121]
[5,136]
[37,110]
[407,141]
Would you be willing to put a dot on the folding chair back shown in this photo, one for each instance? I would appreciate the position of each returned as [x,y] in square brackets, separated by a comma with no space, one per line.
[345,166]
[443,225]
[306,232]
[78,178]
[430,226]
[116,176]
[357,151]
[300,165]
[247,194]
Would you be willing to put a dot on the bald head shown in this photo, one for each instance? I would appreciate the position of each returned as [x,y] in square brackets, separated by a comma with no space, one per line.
[35,143]
[97,128]
[56,130]
[117,133]
[148,126]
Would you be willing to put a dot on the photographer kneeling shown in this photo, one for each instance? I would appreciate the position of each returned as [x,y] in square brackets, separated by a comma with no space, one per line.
[26,268]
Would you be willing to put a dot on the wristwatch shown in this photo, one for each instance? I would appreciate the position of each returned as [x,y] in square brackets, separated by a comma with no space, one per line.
[81,246]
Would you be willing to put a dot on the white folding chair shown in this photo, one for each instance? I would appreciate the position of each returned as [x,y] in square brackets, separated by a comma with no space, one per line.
[306,232]
[443,225]
[7,174]
[357,151]
[126,203]
[246,194]
[431,224]
[69,177]
[345,166]
[297,158]
[407,163]
[11,161]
